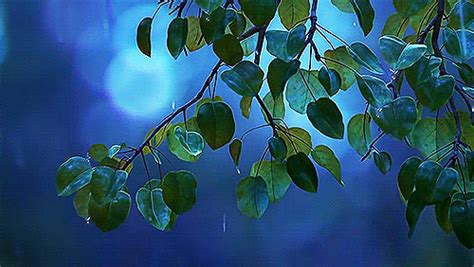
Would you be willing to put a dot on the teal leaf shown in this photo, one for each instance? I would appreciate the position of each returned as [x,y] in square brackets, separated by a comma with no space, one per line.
[179,191]
[365,14]
[252,196]
[301,88]
[410,8]
[326,118]
[365,57]
[153,208]
[275,176]
[177,34]
[144,36]
[245,78]
[391,48]
[422,71]
[191,141]
[330,80]
[452,43]
[296,140]
[286,45]
[396,118]
[325,157]
[442,215]
[276,107]
[406,177]
[106,183]
[279,72]
[435,92]
[415,207]
[434,183]
[411,54]
[228,49]
[72,175]
[374,90]
[302,172]
[461,214]
[462,15]
[81,202]
[358,133]
[216,123]
[209,5]
[383,161]
[341,56]
[110,215]
[278,148]
[343,5]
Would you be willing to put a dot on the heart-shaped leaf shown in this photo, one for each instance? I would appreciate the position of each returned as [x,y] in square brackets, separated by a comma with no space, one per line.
[374,90]
[191,141]
[228,49]
[302,88]
[106,183]
[275,176]
[436,92]
[326,117]
[286,45]
[194,39]
[235,149]
[152,207]
[358,133]
[110,215]
[261,12]
[415,207]
[340,55]
[213,26]
[179,191]
[433,183]
[279,72]
[302,172]
[391,48]
[177,33]
[406,177]
[461,214]
[383,161]
[325,157]
[216,123]
[245,78]
[330,80]
[411,54]
[72,175]
[252,196]
[277,148]
[365,14]
[365,57]
[293,12]
[422,71]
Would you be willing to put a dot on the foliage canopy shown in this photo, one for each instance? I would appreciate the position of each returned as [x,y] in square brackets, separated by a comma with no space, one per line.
[428,43]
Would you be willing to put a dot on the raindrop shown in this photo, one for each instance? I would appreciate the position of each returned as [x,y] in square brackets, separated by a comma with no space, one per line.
[237,169]
[173,105]
[88,220]
[224,224]
[354,24]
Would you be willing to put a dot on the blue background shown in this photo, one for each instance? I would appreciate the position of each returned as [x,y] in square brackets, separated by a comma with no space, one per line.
[71,76]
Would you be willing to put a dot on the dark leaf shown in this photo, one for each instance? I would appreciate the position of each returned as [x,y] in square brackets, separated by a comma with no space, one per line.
[302,172]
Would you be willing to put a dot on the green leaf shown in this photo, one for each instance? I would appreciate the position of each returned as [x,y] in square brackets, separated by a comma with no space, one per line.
[422,71]
[301,88]
[153,208]
[213,26]
[452,43]
[433,183]
[278,148]
[391,48]
[209,5]
[114,150]
[442,215]
[217,124]
[177,33]
[358,133]
[341,55]
[430,134]
[228,49]
[179,191]
[406,177]
[194,38]
[144,36]
[239,25]
[411,54]
[276,107]
[278,74]
[326,118]
[383,161]
[396,25]
[235,149]
[326,158]
[110,215]
[157,139]
[343,5]
[246,105]
[365,14]
[365,57]
[81,202]
[415,207]
[302,172]
[106,183]
[296,140]
[191,141]
[261,12]
[330,80]
[435,92]
[286,45]
[462,15]
[252,196]
[72,175]
[293,12]
[461,214]
[275,176]
[98,152]
[410,8]
[245,78]
[374,90]
[176,146]
[397,118]
[466,73]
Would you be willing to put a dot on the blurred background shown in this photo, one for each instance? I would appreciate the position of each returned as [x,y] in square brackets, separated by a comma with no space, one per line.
[71,76]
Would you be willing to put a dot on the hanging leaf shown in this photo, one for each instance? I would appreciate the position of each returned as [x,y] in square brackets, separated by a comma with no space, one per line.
[330,80]
[217,124]
[239,25]
[302,172]
[157,139]
[430,134]
[358,133]
[275,176]
[406,177]
[245,78]
[365,14]
[286,45]
[191,141]
[410,8]
[452,42]
[411,54]
[343,5]
[72,175]
[209,5]
[110,215]
[194,38]
[374,90]
[235,149]
[396,25]
[325,157]
[106,183]
[396,118]
[461,214]
[245,106]
[326,117]
[365,57]
[415,207]
[278,148]
[341,55]
[296,140]
[293,12]
[144,36]
[276,107]
[228,49]
[383,161]
[252,197]
[461,15]
[177,147]
[81,202]
[391,48]
[213,26]
[278,74]
[301,88]
[177,33]
[152,207]
[261,12]
[98,152]
[422,71]
[179,191]
[434,183]
[435,92]
[442,215]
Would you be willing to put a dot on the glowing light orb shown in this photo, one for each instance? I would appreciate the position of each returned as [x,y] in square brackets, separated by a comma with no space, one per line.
[138,85]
